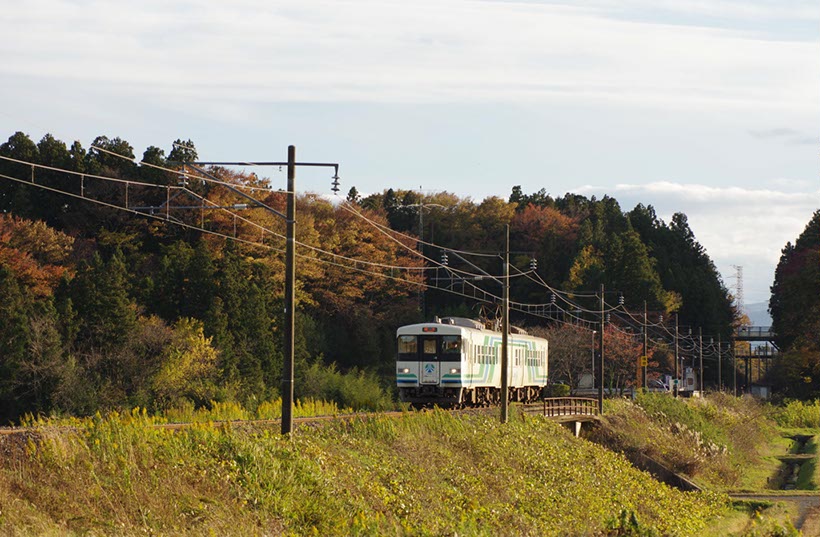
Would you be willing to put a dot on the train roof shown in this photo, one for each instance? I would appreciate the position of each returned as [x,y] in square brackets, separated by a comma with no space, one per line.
[455,325]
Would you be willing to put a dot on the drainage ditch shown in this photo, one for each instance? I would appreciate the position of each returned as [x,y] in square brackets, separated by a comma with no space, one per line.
[791,465]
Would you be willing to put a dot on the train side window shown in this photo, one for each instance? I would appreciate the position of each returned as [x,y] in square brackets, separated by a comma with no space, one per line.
[408,348]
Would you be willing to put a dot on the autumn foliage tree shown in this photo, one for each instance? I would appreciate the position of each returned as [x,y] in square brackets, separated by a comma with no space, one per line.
[101,308]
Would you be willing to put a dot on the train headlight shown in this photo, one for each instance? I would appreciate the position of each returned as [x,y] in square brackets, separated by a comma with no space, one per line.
[405,370]
[455,371]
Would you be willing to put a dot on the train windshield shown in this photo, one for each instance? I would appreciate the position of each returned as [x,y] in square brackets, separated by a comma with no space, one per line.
[408,348]
[450,345]
[429,348]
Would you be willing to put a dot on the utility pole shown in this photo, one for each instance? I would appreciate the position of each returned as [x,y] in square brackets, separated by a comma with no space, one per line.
[734,369]
[645,358]
[290,261]
[290,303]
[593,357]
[421,249]
[505,329]
[676,380]
[601,376]
[720,366]
[700,359]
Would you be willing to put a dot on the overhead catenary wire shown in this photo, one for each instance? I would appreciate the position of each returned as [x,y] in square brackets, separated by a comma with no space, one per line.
[186,173]
[210,180]
[391,235]
[419,240]
[250,242]
[204,200]
[530,309]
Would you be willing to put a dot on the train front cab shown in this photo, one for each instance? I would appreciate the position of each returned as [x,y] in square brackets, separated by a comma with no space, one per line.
[428,367]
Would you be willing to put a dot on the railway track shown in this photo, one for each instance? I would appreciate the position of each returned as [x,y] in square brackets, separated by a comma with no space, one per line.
[556,408]
[10,431]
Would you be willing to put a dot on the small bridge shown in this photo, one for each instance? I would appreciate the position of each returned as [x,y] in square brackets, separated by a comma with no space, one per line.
[755,333]
[761,348]
[569,411]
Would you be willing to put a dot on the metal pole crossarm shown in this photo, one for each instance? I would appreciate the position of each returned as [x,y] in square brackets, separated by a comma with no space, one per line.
[333,165]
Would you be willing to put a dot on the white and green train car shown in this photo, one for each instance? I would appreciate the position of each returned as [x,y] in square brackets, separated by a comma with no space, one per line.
[457,362]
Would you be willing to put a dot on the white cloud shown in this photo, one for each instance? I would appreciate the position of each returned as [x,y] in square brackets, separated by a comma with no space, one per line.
[390,51]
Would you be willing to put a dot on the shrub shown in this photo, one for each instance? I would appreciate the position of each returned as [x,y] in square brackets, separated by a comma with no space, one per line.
[798,414]
[355,389]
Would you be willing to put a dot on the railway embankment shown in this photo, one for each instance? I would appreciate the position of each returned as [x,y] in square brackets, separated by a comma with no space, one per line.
[415,473]
[763,456]
[422,473]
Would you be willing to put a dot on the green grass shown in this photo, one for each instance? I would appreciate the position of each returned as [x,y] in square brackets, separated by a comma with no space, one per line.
[750,518]
[429,473]
[809,477]
[719,442]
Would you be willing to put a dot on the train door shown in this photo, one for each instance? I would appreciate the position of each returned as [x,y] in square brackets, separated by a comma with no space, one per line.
[429,359]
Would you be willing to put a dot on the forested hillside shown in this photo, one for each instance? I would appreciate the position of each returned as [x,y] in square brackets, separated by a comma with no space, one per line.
[102,307]
[795,309]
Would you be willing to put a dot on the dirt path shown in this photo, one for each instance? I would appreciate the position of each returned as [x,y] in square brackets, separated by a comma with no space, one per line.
[807,517]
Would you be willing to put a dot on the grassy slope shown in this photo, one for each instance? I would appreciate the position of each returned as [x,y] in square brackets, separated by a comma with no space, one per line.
[721,442]
[423,474]
[809,477]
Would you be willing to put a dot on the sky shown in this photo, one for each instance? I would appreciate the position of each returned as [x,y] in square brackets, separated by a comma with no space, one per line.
[707,107]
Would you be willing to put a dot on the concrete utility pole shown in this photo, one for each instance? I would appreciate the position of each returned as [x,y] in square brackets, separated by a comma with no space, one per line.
[290,261]
[734,369]
[505,329]
[645,358]
[290,302]
[601,383]
[676,380]
[720,366]
[700,359]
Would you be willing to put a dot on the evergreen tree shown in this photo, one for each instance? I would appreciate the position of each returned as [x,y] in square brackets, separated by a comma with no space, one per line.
[796,287]
[16,197]
[101,298]
[353,195]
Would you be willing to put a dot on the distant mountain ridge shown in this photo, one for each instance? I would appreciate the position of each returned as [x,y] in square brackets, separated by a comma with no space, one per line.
[758,313]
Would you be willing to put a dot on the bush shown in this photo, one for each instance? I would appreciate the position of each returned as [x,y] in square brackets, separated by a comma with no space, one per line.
[557,390]
[355,389]
[798,414]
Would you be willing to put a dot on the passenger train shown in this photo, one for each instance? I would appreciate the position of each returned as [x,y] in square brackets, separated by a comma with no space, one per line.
[455,361]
